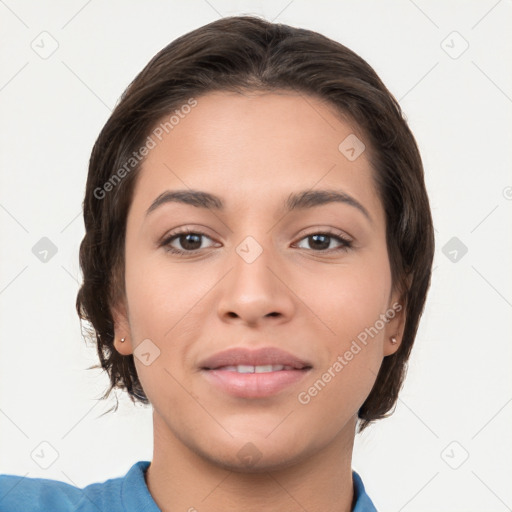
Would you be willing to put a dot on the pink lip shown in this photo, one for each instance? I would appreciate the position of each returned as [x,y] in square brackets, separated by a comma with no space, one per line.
[253,385]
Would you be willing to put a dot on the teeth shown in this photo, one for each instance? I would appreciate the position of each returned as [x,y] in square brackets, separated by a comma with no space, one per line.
[268,368]
[242,368]
[264,368]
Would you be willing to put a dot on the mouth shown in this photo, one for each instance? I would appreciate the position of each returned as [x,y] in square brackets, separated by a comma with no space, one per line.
[258,373]
[261,368]
[262,360]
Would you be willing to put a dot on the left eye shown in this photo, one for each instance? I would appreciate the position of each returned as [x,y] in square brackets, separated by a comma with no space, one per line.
[323,241]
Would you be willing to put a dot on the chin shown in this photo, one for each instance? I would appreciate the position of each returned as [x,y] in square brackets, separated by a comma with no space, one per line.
[264,464]
[259,456]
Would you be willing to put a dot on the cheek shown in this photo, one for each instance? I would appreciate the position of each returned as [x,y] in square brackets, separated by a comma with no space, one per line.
[349,298]
[165,307]
[159,295]
[351,305]
[337,393]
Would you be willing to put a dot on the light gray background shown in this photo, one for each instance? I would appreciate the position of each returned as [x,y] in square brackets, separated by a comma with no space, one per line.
[457,398]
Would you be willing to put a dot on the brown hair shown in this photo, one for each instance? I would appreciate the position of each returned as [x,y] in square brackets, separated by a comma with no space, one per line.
[245,53]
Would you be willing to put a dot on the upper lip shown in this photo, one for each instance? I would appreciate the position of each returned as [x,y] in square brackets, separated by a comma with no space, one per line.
[255,357]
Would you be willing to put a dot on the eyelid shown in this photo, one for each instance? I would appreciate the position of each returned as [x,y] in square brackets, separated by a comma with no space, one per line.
[196,229]
[317,230]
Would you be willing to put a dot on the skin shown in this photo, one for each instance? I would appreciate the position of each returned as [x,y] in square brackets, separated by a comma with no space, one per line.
[253,150]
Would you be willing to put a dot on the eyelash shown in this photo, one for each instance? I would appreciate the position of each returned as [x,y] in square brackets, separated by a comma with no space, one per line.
[345,243]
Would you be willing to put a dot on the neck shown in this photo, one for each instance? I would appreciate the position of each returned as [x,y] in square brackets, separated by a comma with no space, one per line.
[180,479]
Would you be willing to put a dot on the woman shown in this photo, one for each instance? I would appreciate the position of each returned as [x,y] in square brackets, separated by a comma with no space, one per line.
[257,255]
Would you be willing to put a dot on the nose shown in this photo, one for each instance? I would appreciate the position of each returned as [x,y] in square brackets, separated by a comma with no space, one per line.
[256,292]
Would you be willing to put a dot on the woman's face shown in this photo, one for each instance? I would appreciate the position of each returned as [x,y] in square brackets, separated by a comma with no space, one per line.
[285,260]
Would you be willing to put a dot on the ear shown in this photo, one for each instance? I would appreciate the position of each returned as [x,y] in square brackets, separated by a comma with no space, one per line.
[122,329]
[395,325]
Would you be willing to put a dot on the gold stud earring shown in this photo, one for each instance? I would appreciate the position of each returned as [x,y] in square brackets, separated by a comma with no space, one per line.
[393,339]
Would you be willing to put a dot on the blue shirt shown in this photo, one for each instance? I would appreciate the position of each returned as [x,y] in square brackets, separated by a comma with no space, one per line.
[123,494]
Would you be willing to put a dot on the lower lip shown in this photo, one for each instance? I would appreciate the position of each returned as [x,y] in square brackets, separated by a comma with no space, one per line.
[254,385]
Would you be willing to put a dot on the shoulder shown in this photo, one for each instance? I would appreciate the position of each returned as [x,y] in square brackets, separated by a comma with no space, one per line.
[24,494]
[21,493]
[361,502]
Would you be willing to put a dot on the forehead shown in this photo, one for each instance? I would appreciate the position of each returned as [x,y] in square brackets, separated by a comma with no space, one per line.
[259,145]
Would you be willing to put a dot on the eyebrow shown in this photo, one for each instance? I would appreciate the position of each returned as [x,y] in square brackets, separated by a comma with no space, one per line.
[295,201]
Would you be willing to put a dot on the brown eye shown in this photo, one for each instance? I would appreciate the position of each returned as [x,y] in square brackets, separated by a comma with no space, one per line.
[324,242]
[190,241]
[186,242]
[320,242]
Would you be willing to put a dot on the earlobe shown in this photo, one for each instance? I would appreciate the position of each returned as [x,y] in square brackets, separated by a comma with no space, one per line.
[122,346]
[121,328]
[395,328]
[391,345]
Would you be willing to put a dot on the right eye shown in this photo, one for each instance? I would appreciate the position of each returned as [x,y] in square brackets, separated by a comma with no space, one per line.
[185,242]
